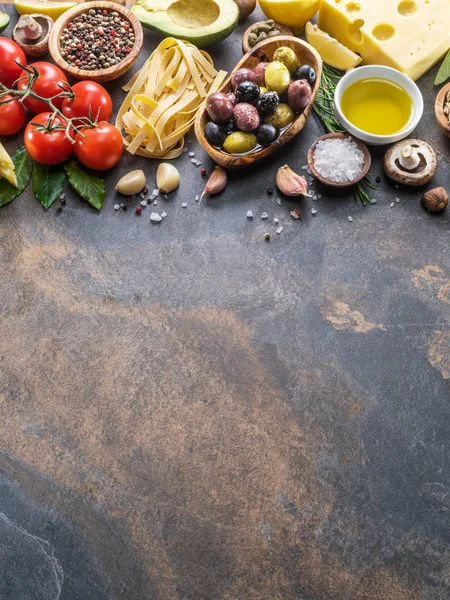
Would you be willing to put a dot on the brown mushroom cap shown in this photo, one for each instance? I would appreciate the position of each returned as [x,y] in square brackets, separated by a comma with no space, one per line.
[33,47]
[422,174]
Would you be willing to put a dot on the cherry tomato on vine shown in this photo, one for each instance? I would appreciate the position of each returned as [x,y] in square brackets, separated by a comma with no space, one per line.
[9,70]
[46,85]
[12,115]
[90,99]
[99,147]
[46,142]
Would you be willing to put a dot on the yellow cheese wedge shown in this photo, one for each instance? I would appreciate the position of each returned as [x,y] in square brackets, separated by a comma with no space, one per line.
[408,35]
[331,51]
[7,167]
[53,9]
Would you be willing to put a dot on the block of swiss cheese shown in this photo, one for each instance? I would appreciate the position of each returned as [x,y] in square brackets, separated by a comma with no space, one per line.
[408,35]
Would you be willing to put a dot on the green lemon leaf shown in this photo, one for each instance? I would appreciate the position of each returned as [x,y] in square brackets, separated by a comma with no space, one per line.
[22,165]
[90,187]
[444,71]
[48,183]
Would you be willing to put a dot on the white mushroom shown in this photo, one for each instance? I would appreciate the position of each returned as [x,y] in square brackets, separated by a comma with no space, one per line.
[410,162]
[32,33]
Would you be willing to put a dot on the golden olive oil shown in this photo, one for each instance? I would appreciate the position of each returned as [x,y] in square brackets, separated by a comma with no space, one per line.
[377,106]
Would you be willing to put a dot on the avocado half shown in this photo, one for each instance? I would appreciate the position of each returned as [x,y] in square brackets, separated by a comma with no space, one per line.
[201,22]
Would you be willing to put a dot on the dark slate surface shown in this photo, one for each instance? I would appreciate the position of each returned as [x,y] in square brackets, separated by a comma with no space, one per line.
[190,412]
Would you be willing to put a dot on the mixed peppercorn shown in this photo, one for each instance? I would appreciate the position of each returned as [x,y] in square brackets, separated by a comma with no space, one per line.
[97,39]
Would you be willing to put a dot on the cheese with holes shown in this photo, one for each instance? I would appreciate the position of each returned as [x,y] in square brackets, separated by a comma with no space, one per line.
[408,35]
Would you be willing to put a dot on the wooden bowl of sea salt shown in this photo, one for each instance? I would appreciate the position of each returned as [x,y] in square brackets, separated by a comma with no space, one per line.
[339,160]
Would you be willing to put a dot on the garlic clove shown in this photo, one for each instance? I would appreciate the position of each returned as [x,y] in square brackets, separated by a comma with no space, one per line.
[216,183]
[131,183]
[167,178]
[290,183]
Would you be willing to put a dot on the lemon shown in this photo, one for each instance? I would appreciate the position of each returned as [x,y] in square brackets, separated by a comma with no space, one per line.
[331,51]
[292,13]
[7,167]
[44,7]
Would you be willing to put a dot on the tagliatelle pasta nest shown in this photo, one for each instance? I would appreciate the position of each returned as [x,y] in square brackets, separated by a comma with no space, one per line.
[164,97]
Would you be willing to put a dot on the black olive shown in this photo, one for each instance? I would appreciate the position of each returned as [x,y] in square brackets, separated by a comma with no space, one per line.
[305,72]
[268,102]
[229,126]
[215,134]
[266,134]
[248,91]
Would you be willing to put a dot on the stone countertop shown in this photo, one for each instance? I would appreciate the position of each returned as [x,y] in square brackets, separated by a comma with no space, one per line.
[189,412]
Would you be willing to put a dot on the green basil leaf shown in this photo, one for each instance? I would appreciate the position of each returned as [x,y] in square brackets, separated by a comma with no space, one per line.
[90,187]
[22,164]
[444,71]
[48,183]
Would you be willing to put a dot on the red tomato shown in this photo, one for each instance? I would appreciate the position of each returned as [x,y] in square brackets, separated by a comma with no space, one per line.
[9,70]
[46,85]
[90,99]
[12,116]
[99,147]
[44,143]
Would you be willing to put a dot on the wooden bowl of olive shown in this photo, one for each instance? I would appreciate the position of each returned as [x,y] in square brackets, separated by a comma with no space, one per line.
[261,31]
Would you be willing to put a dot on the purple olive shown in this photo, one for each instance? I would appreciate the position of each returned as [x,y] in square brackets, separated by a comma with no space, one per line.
[219,107]
[241,75]
[246,116]
[299,95]
[260,72]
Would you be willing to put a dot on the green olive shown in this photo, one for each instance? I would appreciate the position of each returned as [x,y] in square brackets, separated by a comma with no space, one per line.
[277,77]
[281,116]
[287,57]
[239,142]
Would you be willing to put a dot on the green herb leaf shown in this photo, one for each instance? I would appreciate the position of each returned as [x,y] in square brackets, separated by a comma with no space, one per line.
[91,188]
[48,183]
[22,165]
[444,71]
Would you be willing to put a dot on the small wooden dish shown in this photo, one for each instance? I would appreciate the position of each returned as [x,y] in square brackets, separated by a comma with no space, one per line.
[263,51]
[246,46]
[99,75]
[341,136]
[444,123]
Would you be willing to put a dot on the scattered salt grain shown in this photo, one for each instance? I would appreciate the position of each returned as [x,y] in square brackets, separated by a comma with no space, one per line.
[319,196]
[280,229]
[373,201]
[62,196]
[193,161]
[304,167]
[191,153]
[295,214]
[313,211]
[142,195]
[350,219]
[197,163]
[184,204]
[184,149]
[249,214]
[197,198]
[164,215]
[276,221]
[155,192]
[264,215]
[165,196]
[339,160]
[155,217]
[391,205]
[116,206]
[279,201]
[143,202]
[397,200]
[155,202]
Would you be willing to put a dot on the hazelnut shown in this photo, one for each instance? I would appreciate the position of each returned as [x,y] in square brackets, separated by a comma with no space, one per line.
[435,200]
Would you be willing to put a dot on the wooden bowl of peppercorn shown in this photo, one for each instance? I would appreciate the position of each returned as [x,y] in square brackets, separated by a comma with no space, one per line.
[98,41]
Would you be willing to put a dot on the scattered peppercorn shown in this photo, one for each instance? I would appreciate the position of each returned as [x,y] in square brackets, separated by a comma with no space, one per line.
[129,199]
[138,210]
[270,191]
[63,201]
[378,179]
[124,207]
[59,209]
[267,236]
[97,39]
[145,191]
[203,172]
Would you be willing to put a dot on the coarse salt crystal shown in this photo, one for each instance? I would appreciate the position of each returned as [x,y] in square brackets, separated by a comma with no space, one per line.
[164,215]
[116,206]
[184,204]
[197,198]
[313,211]
[143,202]
[155,202]
[193,161]
[339,160]
[350,219]
[391,205]
[279,201]
[155,217]
[191,153]
[264,215]
[397,200]
[276,220]
[280,229]
[249,214]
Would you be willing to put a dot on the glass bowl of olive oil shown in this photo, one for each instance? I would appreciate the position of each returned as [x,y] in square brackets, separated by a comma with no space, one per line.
[378,105]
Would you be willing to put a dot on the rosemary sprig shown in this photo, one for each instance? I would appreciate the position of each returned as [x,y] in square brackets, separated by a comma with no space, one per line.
[324,109]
